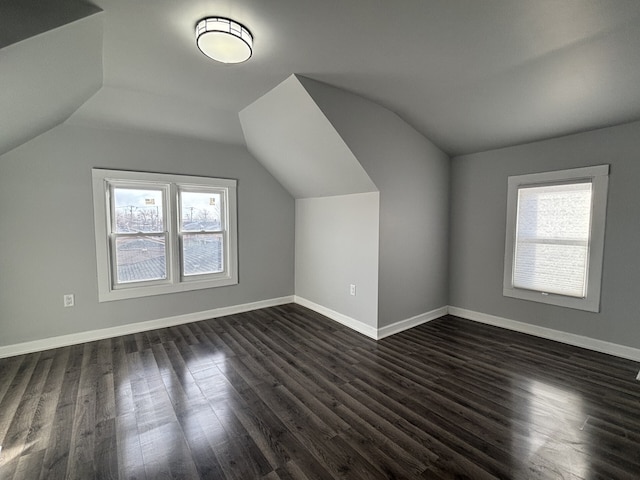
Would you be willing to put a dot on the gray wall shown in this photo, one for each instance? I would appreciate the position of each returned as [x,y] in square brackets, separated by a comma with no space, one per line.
[413,178]
[45,78]
[47,243]
[478,216]
[336,246]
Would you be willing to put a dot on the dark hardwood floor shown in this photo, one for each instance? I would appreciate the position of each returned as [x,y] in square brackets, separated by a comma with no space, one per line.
[284,393]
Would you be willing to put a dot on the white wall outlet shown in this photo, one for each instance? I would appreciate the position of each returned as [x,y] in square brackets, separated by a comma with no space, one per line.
[69,300]
[352,290]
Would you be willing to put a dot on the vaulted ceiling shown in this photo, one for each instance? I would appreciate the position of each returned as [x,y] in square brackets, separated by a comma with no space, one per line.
[470,75]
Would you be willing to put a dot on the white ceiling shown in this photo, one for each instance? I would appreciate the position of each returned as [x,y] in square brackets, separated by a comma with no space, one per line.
[470,75]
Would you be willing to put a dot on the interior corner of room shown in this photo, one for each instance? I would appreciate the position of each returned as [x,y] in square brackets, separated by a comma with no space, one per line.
[380,207]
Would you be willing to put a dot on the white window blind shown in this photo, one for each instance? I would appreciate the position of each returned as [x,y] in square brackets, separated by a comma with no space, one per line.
[552,238]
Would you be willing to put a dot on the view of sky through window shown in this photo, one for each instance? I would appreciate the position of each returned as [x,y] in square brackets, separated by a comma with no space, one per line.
[200,211]
[138,210]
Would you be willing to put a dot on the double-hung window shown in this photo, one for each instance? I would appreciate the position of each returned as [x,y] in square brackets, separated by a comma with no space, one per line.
[158,233]
[555,237]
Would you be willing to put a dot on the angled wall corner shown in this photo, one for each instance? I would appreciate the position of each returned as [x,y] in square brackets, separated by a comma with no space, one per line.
[45,78]
[337,204]
[412,175]
[287,132]
[320,141]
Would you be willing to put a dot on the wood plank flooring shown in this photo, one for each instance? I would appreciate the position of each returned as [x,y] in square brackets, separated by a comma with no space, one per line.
[284,393]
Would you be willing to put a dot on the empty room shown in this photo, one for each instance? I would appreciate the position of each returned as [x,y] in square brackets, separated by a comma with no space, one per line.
[294,239]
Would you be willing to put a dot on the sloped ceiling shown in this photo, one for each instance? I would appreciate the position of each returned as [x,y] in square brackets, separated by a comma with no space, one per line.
[45,78]
[122,108]
[469,75]
[22,19]
[293,139]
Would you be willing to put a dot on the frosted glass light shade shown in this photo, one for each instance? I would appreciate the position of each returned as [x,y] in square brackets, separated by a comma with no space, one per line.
[224,40]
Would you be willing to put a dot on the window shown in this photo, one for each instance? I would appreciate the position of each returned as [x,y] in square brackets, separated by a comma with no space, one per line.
[555,237]
[159,233]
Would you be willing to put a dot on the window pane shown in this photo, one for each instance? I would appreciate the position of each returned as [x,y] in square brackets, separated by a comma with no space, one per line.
[200,211]
[138,210]
[559,269]
[140,258]
[202,254]
[555,212]
[552,238]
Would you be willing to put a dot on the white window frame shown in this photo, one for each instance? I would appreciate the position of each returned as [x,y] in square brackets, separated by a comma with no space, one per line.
[186,187]
[599,177]
[104,179]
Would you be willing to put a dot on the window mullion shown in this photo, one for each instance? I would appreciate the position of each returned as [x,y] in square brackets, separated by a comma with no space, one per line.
[173,222]
[554,241]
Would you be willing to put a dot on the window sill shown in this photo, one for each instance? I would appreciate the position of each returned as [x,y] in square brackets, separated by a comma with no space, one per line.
[587,304]
[162,289]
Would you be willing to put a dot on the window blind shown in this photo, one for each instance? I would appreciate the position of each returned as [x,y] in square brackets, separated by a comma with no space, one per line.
[552,238]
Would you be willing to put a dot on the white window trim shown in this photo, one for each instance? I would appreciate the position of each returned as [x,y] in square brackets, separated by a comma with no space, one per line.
[174,283]
[599,176]
[190,187]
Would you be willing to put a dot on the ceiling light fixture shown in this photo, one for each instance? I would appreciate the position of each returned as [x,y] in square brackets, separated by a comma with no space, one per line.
[224,40]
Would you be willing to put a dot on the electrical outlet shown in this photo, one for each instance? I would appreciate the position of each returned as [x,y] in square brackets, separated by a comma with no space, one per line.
[352,289]
[69,300]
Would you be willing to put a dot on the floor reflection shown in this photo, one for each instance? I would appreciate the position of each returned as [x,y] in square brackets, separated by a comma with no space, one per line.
[557,443]
[177,407]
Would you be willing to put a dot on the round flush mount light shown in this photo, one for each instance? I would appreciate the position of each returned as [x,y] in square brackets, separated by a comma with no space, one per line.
[224,40]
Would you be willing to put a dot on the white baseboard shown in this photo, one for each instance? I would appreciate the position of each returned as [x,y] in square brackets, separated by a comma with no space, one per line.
[368,330]
[352,323]
[361,327]
[403,325]
[550,334]
[92,335]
